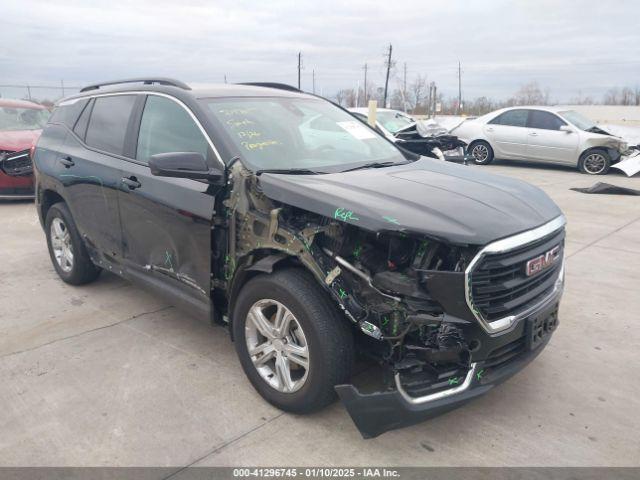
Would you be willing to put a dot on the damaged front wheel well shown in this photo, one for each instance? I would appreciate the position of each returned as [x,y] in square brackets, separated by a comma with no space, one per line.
[260,262]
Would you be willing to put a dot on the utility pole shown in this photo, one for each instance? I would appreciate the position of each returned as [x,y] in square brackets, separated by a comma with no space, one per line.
[365,85]
[386,82]
[29,92]
[459,89]
[299,67]
[62,85]
[435,99]
[225,78]
[313,75]
[404,88]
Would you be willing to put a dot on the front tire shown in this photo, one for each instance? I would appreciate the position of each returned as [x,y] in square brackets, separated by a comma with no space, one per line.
[292,342]
[595,162]
[481,152]
[66,248]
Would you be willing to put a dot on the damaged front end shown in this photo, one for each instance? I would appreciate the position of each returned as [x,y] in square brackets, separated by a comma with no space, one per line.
[404,291]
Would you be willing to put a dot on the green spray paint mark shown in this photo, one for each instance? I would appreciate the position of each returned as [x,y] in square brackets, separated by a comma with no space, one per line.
[385,321]
[479,374]
[342,293]
[454,381]
[167,260]
[357,251]
[344,215]
[230,264]
[422,248]
[391,220]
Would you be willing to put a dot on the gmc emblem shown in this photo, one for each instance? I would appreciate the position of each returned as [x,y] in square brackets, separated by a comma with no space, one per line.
[536,265]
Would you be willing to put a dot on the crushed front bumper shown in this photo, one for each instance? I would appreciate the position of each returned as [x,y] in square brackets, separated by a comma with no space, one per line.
[379,412]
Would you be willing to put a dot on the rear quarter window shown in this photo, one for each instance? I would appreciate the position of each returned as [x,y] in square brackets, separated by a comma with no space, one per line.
[67,113]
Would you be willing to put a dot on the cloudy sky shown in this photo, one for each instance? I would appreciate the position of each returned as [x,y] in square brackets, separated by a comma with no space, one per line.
[571,47]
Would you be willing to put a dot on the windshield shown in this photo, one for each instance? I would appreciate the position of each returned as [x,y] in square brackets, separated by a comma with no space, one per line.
[394,121]
[22,118]
[580,121]
[280,133]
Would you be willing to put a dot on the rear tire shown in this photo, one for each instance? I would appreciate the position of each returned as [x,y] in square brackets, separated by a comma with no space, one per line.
[66,248]
[594,162]
[316,334]
[481,152]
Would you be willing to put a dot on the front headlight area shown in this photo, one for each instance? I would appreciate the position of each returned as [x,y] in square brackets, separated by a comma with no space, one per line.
[382,282]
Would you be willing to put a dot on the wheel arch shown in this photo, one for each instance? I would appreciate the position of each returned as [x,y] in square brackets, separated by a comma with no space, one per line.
[600,148]
[258,262]
[48,198]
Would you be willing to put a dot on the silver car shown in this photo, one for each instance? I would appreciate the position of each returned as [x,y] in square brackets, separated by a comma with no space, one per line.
[545,134]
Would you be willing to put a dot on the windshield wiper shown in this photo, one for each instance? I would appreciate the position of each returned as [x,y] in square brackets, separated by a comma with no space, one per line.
[288,171]
[374,165]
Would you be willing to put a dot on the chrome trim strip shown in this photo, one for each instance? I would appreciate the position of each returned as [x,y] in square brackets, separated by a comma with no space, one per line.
[159,94]
[438,395]
[505,245]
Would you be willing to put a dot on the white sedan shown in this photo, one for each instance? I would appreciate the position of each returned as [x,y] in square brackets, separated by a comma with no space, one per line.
[545,134]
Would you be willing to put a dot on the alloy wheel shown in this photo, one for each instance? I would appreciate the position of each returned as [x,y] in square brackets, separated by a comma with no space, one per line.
[595,163]
[277,345]
[61,244]
[480,153]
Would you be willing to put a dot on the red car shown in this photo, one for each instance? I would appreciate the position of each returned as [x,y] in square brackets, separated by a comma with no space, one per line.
[21,123]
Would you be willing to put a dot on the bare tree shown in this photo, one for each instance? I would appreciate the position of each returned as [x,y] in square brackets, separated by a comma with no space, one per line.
[626,96]
[530,94]
[612,97]
[350,98]
[418,91]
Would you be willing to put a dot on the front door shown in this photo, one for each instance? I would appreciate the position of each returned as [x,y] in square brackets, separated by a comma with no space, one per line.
[547,142]
[167,222]
[507,134]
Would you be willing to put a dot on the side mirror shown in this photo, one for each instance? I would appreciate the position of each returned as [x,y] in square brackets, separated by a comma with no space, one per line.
[566,128]
[183,165]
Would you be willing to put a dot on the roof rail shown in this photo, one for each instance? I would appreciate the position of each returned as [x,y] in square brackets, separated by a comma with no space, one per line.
[279,86]
[146,81]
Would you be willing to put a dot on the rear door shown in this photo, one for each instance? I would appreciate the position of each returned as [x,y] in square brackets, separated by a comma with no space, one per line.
[547,142]
[507,134]
[90,167]
[167,222]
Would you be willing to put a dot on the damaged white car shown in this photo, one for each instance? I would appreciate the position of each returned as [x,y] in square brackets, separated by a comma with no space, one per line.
[545,134]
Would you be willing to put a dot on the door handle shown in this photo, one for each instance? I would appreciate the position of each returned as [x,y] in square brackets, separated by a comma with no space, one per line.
[67,162]
[131,182]
[490,129]
[533,134]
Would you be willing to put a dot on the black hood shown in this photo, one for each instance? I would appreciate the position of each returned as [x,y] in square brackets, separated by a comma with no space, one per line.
[443,200]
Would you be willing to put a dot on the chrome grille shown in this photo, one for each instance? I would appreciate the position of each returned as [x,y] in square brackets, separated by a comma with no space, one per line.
[498,287]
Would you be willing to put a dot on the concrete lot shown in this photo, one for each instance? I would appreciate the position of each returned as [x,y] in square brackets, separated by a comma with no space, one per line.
[108,374]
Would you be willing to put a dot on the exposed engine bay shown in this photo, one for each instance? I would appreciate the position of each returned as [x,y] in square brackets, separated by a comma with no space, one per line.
[378,279]
[421,140]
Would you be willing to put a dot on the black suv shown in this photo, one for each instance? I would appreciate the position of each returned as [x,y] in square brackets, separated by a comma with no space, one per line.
[314,238]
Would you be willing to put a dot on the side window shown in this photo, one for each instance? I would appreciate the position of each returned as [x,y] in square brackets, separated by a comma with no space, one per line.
[109,122]
[544,120]
[83,122]
[166,127]
[512,118]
